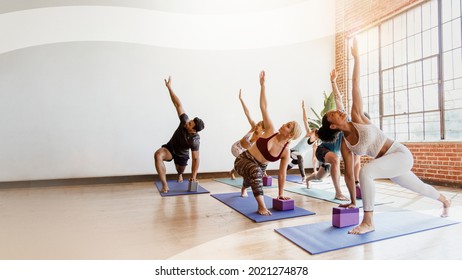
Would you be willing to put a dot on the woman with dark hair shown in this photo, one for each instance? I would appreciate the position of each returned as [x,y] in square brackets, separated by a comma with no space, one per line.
[391,159]
[328,152]
[270,147]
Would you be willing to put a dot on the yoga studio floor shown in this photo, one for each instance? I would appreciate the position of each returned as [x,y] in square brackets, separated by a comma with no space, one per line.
[132,221]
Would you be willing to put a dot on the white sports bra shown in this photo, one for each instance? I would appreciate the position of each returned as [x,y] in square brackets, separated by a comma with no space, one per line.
[370,142]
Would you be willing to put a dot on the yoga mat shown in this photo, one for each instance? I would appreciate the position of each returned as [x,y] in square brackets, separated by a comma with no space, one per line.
[323,237]
[327,195]
[176,188]
[294,179]
[238,182]
[248,206]
[321,194]
[298,179]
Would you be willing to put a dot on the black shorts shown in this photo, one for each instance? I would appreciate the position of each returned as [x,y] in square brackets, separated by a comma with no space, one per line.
[320,155]
[178,160]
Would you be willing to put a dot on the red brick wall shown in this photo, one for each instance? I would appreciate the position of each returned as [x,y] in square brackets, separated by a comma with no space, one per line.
[436,162]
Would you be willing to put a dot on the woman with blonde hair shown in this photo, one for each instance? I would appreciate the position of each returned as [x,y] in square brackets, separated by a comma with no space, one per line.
[270,147]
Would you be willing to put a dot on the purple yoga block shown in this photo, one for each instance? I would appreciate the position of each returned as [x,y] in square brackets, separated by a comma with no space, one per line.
[343,217]
[358,192]
[267,181]
[283,205]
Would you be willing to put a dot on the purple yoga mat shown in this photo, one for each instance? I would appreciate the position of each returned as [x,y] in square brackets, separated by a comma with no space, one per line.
[176,188]
[247,206]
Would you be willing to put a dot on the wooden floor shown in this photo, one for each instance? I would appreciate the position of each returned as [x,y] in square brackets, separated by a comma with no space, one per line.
[132,221]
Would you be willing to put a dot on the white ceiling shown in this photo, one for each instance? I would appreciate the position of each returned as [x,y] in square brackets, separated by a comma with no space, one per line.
[173,6]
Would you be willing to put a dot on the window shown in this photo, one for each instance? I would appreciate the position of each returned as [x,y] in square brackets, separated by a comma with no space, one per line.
[403,61]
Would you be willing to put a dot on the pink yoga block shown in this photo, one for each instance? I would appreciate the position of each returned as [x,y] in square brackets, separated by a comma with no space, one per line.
[358,192]
[267,181]
[343,217]
[283,205]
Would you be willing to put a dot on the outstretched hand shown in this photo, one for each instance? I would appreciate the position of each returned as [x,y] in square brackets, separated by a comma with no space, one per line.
[262,77]
[354,48]
[333,76]
[167,82]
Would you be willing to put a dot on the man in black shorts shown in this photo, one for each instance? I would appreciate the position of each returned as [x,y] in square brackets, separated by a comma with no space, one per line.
[184,138]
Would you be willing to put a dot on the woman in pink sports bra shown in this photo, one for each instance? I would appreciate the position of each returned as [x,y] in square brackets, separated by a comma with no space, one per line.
[271,146]
[390,159]
[256,130]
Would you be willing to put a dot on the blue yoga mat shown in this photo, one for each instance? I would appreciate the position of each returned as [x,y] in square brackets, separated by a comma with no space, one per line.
[248,206]
[238,182]
[176,188]
[298,179]
[323,237]
[321,194]
[327,195]
[294,179]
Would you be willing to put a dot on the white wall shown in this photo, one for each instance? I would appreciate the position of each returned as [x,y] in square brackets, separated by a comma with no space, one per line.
[91,101]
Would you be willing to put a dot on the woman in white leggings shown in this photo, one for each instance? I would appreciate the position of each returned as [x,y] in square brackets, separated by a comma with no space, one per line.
[391,159]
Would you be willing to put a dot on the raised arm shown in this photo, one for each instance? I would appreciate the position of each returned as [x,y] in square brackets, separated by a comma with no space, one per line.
[264,106]
[337,94]
[246,111]
[357,114]
[176,101]
[305,120]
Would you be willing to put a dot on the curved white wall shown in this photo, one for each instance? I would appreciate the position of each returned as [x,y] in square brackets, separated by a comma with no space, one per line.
[82,86]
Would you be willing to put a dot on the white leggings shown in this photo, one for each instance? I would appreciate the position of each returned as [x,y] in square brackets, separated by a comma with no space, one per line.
[396,165]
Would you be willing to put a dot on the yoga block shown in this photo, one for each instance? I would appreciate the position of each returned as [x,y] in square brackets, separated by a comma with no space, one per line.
[283,205]
[267,181]
[343,217]
[358,192]
[192,186]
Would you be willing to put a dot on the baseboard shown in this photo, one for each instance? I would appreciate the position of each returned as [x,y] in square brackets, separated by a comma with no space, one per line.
[112,180]
[150,178]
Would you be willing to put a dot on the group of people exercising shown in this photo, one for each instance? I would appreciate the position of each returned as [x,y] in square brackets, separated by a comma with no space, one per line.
[350,136]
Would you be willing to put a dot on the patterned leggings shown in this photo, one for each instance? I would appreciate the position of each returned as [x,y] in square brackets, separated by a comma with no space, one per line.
[252,171]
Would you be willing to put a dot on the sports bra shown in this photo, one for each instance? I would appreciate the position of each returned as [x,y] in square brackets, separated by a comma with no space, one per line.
[371,140]
[262,145]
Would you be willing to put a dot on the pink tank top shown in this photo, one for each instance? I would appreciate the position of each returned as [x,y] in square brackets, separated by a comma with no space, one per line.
[262,145]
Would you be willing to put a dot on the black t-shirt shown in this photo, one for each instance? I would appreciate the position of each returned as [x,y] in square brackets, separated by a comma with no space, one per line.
[182,141]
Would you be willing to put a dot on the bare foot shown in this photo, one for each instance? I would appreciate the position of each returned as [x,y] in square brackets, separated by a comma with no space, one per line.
[244,192]
[341,197]
[362,229]
[264,211]
[233,177]
[164,189]
[308,184]
[446,205]
[303,179]
[180,178]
